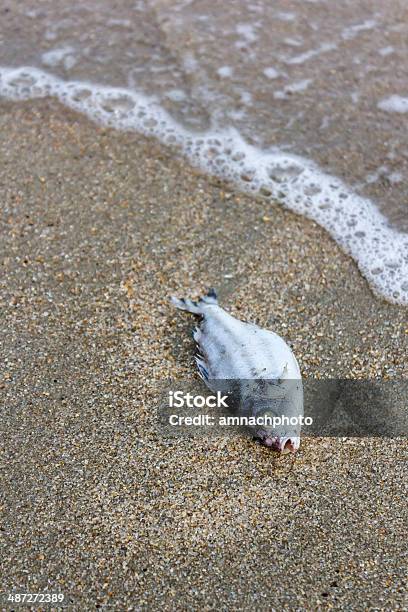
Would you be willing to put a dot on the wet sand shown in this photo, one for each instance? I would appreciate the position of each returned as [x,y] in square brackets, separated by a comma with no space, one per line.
[98,229]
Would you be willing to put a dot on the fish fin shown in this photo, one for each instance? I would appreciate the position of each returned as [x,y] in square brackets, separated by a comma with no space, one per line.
[202,367]
[197,335]
[210,299]
[187,305]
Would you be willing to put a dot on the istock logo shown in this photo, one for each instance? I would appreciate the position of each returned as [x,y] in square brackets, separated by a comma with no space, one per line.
[178,399]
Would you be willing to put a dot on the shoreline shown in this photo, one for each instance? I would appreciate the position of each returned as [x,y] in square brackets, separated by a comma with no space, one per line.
[302,186]
[99,228]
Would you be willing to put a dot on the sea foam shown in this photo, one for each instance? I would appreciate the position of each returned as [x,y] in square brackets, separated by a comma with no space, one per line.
[297,183]
[394,104]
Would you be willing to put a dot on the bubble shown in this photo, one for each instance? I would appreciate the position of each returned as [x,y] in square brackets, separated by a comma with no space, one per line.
[211,152]
[22,80]
[312,189]
[81,94]
[238,156]
[121,104]
[285,172]
[150,123]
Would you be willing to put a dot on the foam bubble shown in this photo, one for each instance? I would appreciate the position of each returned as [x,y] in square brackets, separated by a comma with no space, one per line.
[225,71]
[353,31]
[296,87]
[354,222]
[177,95]
[285,16]
[247,31]
[385,51]
[307,55]
[271,73]
[293,42]
[394,104]
[62,55]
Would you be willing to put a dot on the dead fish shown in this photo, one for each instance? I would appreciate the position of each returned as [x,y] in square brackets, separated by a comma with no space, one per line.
[256,363]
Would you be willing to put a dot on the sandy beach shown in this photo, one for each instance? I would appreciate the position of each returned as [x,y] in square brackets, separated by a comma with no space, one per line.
[98,229]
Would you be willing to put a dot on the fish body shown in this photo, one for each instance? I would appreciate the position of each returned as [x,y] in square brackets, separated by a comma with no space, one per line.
[255,363]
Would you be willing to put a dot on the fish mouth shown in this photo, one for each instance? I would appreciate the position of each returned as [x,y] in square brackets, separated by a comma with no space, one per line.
[287,444]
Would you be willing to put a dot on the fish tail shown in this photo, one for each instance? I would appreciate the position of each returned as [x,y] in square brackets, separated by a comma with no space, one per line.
[210,299]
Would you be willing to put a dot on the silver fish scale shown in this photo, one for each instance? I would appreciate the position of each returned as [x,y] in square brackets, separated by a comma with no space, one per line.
[234,349]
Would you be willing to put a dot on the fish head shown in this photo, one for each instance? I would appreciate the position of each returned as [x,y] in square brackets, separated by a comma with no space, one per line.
[277,406]
[282,444]
[281,438]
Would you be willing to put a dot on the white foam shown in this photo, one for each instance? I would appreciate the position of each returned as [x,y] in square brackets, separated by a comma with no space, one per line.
[394,104]
[385,51]
[60,55]
[373,177]
[271,73]
[177,95]
[246,97]
[247,31]
[395,177]
[307,55]
[352,31]
[285,16]
[296,87]
[354,222]
[225,72]
[293,42]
